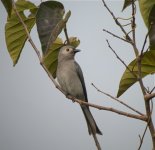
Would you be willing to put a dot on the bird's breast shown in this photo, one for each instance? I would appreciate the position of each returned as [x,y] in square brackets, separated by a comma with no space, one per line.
[69,80]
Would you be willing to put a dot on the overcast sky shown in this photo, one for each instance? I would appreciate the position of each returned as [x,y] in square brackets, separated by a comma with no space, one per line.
[36,116]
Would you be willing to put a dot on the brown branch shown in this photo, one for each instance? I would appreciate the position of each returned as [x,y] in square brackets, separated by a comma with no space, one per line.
[148,97]
[142,138]
[121,59]
[116,36]
[66,34]
[133,24]
[145,40]
[130,115]
[116,21]
[116,99]
[152,89]
[124,25]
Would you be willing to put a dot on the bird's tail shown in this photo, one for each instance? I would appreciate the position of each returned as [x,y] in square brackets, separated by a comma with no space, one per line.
[92,126]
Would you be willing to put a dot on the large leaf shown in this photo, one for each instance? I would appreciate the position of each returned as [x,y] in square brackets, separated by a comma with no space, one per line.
[152,28]
[50,22]
[51,59]
[8,6]
[147,67]
[145,9]
[14,31]
[127,3]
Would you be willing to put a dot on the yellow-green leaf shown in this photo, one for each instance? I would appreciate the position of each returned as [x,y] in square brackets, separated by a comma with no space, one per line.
[147,67]
[8,6]
[145,9]
[127,3]
[14,31]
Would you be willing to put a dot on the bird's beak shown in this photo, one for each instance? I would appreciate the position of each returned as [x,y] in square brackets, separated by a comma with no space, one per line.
[76,50]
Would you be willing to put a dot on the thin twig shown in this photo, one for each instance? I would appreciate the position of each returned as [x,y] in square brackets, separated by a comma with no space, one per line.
[116,99]
[121,59]
[142,138]
[116,36]
[119,18]
[133,24]
[116,21]
[126,24]
[66,34]
[152,89]
[145,40]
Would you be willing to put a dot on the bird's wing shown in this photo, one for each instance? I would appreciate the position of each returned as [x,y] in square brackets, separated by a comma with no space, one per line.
[80,75]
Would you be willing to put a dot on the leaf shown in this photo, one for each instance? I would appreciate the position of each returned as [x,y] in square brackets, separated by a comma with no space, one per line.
[145,9]
[147,67]
[51,59]
[14,31]
[8,6]
[152,28]
[50,22]
[74,41]
[127,3]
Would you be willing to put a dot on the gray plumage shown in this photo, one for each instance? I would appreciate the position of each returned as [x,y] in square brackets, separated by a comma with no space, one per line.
[71,80]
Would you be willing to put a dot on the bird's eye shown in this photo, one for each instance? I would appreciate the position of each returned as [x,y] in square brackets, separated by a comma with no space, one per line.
[67,49]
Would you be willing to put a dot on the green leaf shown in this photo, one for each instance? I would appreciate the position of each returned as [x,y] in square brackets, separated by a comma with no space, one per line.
[8,6]
[147,67]
[50,22]
[152,28]
[145,9]
[127,3]
[74,41]
[50,60]
[14,31]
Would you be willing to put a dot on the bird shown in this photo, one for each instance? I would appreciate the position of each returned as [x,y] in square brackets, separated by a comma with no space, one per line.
[71,80]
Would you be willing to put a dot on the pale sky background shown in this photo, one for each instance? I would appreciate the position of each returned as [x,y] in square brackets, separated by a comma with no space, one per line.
[36,116]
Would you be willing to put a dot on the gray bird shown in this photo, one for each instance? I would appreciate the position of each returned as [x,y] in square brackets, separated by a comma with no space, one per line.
[71,80]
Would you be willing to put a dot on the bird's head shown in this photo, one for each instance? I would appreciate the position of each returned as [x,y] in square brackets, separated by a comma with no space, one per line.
[67,52]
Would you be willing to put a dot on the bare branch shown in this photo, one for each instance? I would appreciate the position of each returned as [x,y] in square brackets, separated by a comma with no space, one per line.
[120,59]
[152,89]
[116,99]
[142,138]
[116,36]
[148,97]
[66,34]
[116,21]
[145,40]
[81,102]
[133,24]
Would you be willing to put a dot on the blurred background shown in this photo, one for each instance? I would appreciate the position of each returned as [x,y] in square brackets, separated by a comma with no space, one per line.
[35,115]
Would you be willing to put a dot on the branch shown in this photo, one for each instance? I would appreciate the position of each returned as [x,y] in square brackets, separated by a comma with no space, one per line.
[120,59]
[116,36]
[117,22]
[142,138]
[148,97]
[66,34]
[121,102]
[130,115]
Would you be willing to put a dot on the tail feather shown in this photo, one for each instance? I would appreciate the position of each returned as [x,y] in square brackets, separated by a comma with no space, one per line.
[92,126]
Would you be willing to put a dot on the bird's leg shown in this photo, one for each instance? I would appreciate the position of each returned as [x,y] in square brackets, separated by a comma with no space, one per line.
[68,95]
